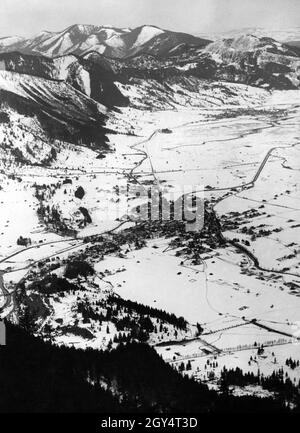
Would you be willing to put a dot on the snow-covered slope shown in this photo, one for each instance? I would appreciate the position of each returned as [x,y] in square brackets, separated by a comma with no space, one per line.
[192,92]
[94,77]
[63,112]
[111,41]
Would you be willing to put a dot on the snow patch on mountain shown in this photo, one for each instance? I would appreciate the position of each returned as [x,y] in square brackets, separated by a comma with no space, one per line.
[146,34]
[115,41]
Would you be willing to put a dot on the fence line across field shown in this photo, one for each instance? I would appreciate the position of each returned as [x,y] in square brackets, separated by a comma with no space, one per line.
[238,348]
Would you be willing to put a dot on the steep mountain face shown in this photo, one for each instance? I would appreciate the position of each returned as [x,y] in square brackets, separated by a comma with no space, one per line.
[90,75]
[94,76]
[112,42]
[39,66]
[49,111]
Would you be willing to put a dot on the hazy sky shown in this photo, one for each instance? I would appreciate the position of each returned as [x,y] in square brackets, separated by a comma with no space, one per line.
[27,17]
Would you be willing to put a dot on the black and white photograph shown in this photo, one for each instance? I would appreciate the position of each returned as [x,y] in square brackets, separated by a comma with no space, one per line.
[149,210]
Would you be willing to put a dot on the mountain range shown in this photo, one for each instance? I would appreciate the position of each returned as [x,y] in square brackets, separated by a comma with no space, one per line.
[284,35]
[109,41]
[86,54]
[71,82]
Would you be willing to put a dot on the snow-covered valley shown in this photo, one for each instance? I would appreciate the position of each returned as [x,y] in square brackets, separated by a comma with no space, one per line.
[109,139]
[244,293]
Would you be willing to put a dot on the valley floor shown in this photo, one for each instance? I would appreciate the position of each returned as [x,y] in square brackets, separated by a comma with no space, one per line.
[245,294]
